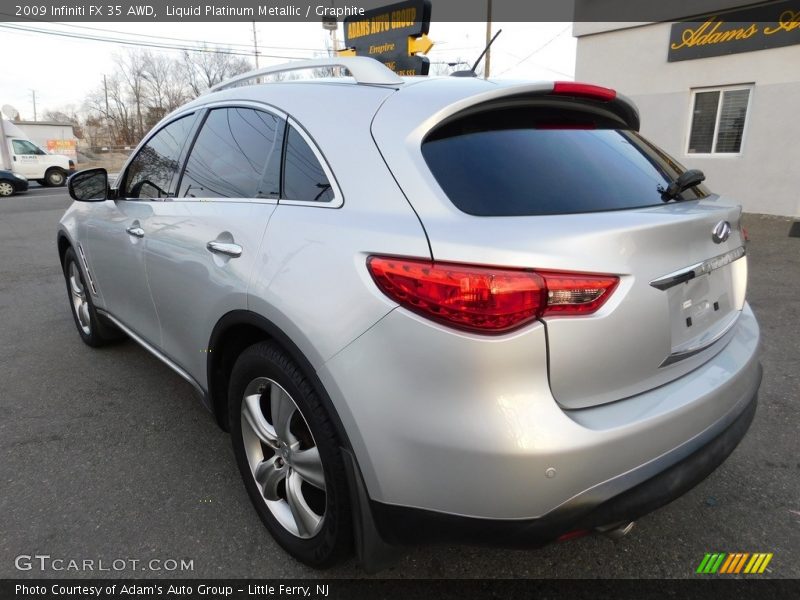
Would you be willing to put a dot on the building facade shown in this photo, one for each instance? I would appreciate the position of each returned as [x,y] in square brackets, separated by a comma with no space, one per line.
[719,92]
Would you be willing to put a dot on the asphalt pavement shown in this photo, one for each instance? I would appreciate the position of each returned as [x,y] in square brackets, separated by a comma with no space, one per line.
[108,455]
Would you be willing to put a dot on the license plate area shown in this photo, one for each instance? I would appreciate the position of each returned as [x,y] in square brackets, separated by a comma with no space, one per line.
[700,307]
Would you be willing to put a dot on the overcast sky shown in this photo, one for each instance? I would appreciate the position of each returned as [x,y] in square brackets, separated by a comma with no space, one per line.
[64,70]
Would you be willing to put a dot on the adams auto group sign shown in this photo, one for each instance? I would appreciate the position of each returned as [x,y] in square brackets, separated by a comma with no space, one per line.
[770,25]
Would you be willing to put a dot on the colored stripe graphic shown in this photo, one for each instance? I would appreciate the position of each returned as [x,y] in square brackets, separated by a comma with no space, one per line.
[727,564]
[718,562]
[740,564]
[703,563]
[765,563]
[711,562]
[734,562]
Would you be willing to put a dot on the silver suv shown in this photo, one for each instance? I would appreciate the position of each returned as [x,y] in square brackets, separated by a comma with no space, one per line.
[428,310]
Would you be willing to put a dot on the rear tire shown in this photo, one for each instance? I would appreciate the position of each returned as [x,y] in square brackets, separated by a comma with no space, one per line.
[94,330]
[55,177]
[283,437]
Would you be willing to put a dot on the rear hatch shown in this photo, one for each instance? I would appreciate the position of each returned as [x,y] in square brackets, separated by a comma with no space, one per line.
[564,183]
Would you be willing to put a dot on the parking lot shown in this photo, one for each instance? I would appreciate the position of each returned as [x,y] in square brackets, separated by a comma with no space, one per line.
[107,454]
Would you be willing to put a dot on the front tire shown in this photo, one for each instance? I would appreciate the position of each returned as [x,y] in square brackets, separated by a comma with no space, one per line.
[6,188]
[93,329]
[289,456]
[55,177]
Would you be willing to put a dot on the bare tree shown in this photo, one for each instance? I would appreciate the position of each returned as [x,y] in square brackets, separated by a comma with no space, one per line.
[111,103]
[446,67]
[146,86]
[66,114]
[206,69]
[165,84]
[131,72]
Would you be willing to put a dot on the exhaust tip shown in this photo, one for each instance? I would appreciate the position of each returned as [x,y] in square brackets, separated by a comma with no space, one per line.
[618,530]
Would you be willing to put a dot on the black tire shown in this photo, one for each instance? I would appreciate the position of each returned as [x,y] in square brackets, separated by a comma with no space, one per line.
[334,541]
[41,182]
[7,188]
[55,177]
[94,330]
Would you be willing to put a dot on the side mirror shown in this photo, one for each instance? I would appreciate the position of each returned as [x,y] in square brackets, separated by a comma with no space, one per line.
[90,185]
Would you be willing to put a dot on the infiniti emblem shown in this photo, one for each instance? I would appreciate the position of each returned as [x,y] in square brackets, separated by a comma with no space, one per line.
[721,232]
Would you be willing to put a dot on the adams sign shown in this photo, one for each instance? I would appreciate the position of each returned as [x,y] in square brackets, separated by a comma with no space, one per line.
[767,26]
[396,35]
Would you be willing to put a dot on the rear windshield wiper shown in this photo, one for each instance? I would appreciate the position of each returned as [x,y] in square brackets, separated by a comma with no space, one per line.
[687,179]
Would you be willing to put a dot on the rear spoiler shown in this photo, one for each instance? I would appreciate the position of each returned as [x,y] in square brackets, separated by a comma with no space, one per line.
[620,105]
[605,99]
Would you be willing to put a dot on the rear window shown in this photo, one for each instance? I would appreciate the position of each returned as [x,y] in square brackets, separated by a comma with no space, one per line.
[546,161]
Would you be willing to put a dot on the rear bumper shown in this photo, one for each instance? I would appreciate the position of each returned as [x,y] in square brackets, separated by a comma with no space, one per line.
[444,422]
[401,525]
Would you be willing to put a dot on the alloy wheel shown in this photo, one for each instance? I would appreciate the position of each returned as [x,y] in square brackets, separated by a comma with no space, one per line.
[80,303]
[283,457]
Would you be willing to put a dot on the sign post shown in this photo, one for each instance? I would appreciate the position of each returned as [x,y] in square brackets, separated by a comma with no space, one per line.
[396,35]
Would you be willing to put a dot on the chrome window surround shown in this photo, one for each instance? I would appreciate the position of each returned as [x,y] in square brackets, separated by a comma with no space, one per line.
[338,197]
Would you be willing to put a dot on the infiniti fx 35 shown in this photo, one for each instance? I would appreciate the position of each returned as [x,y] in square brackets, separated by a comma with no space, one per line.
[427,310]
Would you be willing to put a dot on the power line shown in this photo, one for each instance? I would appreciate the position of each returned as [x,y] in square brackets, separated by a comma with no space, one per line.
[539,49]
[142,43]
[163,37]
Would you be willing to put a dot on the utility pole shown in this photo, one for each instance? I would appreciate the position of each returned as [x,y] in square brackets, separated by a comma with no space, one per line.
[108,113]
[33,92]
[105,89]
[334,41]
[255,43]
[487,70]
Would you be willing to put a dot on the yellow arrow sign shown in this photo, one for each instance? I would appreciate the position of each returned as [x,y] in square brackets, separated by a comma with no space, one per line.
[421,44]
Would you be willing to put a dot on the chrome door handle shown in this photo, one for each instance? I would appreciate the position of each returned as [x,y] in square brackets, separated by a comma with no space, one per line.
[232,250]
[135,232]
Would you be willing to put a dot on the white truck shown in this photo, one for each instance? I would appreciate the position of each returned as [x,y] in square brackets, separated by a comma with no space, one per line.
[21,156]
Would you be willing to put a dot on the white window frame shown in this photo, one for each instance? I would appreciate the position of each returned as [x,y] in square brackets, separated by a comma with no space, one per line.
[721,89]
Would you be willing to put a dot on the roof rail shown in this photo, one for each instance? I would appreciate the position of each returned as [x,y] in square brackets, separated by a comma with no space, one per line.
[363,69]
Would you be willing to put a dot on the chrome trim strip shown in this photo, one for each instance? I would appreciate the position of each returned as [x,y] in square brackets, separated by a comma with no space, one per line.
[184,375]
[696,270]
[338,198]
[703,345]
[88,272]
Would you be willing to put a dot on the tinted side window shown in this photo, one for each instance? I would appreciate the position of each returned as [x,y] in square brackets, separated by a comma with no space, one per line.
[151,173]
[236,155]
[303,176]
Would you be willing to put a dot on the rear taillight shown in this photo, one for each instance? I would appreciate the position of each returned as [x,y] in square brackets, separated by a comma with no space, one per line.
[487,299]
[583,90]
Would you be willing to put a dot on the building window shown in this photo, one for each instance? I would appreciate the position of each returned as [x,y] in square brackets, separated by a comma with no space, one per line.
[718,119]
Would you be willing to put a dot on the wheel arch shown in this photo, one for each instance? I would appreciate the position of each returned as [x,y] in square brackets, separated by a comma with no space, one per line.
[63,242]
[238,330]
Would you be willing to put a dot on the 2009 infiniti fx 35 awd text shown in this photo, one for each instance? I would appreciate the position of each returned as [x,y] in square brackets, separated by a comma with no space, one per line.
[428,309]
